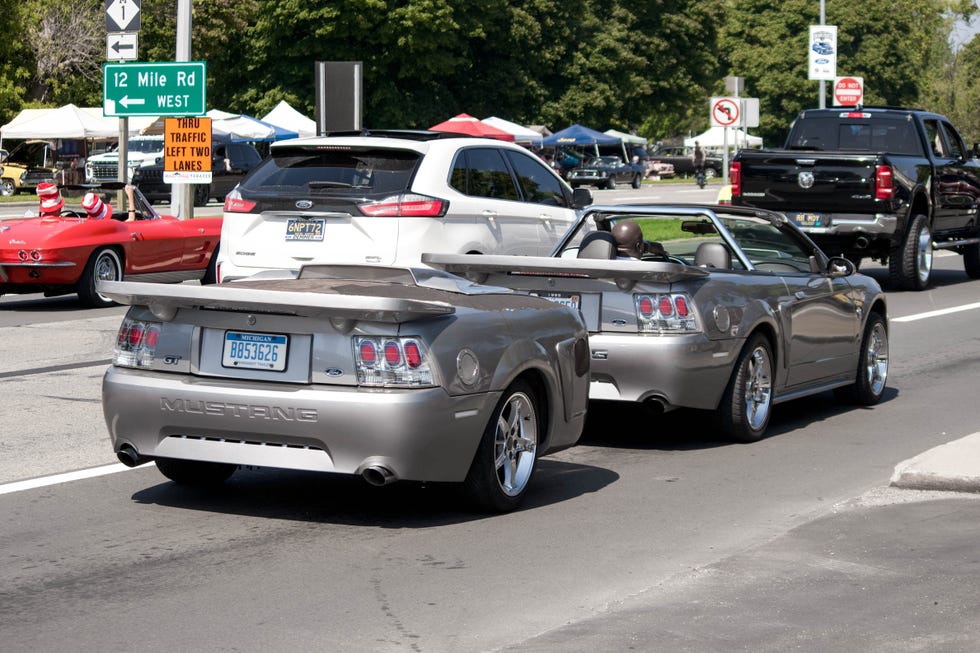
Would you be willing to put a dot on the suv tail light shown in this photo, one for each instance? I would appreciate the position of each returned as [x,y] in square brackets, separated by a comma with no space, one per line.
[884,186]
[666,314]
[735,177]
[405,205]
[235,204]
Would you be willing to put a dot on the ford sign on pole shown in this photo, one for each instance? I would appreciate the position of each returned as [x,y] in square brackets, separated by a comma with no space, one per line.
[823,52]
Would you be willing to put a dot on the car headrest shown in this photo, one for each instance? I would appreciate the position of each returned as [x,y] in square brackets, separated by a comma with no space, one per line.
[598,244]
[713,255]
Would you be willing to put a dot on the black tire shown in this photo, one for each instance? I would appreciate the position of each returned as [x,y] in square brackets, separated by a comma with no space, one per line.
[747,405]
[202,193]
[7,187]
[971,261]
[710,173]
[104,265]
[637,181]
[910,262]
[507,456]
[211,274]
[195,473]
[611,183]
[872,371]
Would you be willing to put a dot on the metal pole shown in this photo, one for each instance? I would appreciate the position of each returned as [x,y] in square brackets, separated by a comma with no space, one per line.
[822,103]
[181,202]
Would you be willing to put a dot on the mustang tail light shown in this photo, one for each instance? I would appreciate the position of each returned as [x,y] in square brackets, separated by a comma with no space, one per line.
[884,186]
[235,204]
[136,343]
[405,205]
[735,177]
[666,314]
[390,361]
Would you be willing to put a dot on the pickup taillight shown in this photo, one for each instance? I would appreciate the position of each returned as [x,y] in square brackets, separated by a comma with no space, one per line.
[735,177]
[884,188]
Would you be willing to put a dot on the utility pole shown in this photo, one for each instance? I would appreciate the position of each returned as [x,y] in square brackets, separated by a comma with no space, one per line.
[181,202]
[822,101]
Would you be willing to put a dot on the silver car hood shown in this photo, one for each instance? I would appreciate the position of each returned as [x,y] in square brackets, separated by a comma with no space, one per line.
[163,300]
[475,266]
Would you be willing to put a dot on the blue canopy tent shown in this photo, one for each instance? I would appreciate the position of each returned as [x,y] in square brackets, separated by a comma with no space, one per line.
[579,136]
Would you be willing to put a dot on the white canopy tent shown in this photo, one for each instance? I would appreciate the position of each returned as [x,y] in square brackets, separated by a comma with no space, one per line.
[715,137]
[287,117]
[67,122]
[522,135]
[631,139]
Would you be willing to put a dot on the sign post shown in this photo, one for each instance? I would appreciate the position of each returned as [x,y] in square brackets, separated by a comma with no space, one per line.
[154,89]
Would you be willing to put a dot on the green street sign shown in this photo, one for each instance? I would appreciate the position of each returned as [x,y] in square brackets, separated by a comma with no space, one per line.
[154,89]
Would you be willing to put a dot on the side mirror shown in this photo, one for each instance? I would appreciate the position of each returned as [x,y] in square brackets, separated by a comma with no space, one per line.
[581,198]
[838,266]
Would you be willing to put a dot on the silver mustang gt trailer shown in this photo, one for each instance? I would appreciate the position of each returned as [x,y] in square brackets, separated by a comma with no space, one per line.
[389,373]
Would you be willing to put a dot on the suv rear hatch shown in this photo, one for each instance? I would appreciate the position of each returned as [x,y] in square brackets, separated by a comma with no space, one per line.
[326,203]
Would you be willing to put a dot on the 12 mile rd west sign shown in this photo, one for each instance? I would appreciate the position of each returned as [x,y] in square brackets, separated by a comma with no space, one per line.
[154,89]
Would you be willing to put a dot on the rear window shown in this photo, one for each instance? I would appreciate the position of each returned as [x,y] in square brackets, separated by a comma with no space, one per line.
[833,133]
[332,170]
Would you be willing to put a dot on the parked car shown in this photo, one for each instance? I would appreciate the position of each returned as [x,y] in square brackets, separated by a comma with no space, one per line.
[682,158]
[69,253]
[660,169]
[383,197]
[230,162]
[732,311]
[387,373]
[606,172]
[27,165]
[104,167]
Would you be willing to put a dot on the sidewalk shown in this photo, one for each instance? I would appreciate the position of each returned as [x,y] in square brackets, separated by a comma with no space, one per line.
[952,467]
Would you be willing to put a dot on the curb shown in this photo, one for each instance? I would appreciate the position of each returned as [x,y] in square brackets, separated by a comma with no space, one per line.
[951,467]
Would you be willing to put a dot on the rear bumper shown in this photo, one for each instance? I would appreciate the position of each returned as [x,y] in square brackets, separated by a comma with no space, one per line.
[420,434]
[687,371]
[850,224]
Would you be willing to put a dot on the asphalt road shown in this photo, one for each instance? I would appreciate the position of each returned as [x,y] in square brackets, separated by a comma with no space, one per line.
[652,535]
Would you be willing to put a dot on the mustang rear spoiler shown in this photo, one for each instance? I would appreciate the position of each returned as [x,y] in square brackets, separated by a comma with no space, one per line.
[477,267]
[163,300]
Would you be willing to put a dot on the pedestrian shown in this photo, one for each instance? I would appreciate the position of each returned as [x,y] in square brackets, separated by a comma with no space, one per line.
[698,159]
[50,198]
[95,207]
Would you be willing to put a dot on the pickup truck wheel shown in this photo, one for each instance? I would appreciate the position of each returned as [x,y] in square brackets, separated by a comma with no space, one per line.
[872,372]
[745,409]
[611,183]
[971,261]
[637,181]
[910,263]
[7,187]
[202,192]
[710,173]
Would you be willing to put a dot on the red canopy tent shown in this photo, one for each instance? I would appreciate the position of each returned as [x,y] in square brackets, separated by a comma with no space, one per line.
[464,123]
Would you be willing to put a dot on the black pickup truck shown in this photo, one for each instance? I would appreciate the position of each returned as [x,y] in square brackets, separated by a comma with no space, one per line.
[882,183]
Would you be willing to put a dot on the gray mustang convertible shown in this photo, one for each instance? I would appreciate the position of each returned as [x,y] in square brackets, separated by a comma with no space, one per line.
[389,373]
[710,307]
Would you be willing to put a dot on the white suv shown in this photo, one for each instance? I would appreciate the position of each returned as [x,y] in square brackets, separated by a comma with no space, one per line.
[387,197]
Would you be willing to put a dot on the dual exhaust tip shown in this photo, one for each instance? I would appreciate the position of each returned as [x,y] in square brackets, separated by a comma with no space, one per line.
[374,474]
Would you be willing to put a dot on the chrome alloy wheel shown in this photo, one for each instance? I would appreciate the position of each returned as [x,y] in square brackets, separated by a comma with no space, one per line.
[515,444]
[923,268]
[876,371]
[758,388]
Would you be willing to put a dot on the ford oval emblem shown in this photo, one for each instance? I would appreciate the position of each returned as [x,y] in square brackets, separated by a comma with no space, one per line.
[304,204]
[805,180]
[333,371]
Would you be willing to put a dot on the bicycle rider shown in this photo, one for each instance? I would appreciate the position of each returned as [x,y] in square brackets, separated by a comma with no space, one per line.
[698,162]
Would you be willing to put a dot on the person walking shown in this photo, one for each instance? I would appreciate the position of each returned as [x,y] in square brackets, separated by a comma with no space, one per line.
[698,164]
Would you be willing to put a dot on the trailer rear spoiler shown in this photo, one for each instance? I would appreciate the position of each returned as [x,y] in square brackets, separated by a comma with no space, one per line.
[164,300]
[477,267]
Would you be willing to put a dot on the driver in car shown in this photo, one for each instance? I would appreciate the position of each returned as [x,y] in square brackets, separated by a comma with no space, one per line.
[630,245]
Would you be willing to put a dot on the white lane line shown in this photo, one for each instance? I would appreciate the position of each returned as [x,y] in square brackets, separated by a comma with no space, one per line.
[44,481]
[943,311]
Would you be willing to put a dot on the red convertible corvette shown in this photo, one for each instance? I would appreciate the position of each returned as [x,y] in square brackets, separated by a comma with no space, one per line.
[67,252]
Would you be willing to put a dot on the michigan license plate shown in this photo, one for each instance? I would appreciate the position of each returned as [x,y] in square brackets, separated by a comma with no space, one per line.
[310,230]
[809,219]
[255,351]
[565,299]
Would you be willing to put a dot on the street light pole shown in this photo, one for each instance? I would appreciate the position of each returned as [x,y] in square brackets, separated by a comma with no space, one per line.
[822,101]
[181,204]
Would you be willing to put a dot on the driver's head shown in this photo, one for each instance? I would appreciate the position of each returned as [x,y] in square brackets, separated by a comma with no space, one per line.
[629,238]
[50,196]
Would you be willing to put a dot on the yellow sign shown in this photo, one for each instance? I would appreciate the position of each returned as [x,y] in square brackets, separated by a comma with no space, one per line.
[187,150]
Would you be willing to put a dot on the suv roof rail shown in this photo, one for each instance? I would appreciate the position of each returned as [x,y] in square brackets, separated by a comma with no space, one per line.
[410,134]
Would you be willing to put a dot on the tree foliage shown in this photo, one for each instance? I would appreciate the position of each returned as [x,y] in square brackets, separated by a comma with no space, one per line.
[627,64]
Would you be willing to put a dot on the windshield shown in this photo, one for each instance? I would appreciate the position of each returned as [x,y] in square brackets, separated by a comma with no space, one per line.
[863,133]
[145,146]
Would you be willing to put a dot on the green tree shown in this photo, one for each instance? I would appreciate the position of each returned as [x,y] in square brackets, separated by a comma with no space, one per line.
[18,65]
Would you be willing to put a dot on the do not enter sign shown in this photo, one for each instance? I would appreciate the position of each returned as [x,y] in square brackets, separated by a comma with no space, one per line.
[848,91]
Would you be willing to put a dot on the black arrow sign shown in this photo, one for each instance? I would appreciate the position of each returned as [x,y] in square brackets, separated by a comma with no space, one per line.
[119,46]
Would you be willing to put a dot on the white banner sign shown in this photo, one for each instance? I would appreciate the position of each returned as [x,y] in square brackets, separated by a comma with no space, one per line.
[823,52]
